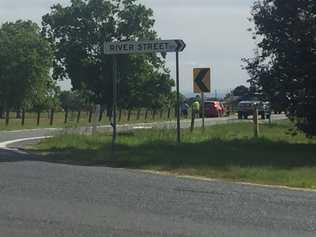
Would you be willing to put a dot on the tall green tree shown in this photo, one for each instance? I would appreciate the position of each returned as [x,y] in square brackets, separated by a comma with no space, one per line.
[284,66]
[25,63]
[78,32]
[73,100]
[241,91]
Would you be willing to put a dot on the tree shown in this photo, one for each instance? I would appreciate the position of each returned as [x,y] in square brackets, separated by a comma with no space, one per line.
[284,66]
[25,62]
[241,91]
[78,32]
[48,98]
[73,100]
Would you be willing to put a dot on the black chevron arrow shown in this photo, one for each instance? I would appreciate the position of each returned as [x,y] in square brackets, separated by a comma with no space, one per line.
[199,80]
[180,45]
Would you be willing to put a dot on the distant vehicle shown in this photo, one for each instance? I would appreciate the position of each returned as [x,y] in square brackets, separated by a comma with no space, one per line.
[246,108]
[213,109]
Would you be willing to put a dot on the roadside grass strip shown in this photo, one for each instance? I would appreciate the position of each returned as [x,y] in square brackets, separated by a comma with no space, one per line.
[281,156]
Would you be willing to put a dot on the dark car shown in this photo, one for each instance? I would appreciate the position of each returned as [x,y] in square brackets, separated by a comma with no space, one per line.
[213,109]
[246,108]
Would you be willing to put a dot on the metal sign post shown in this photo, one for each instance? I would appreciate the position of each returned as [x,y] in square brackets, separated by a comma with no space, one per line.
[178,99]
[129,47]
[203,111]
[114,101]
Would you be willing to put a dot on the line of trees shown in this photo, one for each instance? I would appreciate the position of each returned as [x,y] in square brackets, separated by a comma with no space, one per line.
[25,62]
[69,46]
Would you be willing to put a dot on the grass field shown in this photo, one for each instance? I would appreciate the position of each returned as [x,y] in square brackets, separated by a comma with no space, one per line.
[224,151]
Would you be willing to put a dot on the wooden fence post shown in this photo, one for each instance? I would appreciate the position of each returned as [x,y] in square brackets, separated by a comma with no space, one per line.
[138,114]
[38,118]
[78,116]
[256,123]
[101,113]
[129,114]
[192,120]
[7,117]
[146,114]
[1,113]
[90,115]
[153,114]
[66,115]
[120,114]
[23,117]
[51,117]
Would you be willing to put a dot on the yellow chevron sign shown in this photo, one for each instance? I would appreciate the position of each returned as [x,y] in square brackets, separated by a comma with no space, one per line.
[201,80]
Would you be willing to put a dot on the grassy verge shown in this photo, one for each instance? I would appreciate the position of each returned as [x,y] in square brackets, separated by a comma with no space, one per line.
[223,151]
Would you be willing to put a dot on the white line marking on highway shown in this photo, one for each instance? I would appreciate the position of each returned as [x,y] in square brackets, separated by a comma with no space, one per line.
[142,127]
[201,178]
[32,130]
[3,145]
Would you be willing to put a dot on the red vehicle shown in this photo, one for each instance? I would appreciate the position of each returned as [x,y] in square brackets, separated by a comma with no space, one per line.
[213,109]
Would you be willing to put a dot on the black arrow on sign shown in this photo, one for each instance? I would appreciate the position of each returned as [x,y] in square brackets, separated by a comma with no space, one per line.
[199,80]
[180,45]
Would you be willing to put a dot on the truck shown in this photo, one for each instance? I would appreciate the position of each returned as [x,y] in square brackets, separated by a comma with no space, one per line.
[246,108]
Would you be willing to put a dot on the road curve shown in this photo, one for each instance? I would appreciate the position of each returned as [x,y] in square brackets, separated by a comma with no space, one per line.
[48,199]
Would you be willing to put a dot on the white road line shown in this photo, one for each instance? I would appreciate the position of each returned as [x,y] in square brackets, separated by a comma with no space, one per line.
[4,145]
[142,127]
[32,130]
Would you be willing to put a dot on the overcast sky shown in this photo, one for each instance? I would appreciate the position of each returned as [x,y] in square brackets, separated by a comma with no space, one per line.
[215,32]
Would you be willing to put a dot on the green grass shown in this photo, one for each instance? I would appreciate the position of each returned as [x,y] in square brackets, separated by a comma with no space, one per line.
[223,151]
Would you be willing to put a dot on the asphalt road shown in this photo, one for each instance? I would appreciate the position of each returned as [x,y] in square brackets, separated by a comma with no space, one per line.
[46,199]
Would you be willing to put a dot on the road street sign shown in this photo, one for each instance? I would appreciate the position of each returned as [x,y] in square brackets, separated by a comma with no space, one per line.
[130,47]
[156,46]
[201,80]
